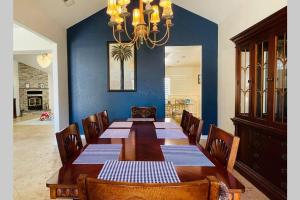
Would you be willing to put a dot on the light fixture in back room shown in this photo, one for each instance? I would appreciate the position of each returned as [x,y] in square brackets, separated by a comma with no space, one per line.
[44,60]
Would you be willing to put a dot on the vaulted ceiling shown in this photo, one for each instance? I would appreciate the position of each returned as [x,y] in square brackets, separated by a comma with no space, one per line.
[214,10]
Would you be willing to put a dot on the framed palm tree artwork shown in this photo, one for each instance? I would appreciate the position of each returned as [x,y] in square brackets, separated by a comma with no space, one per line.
[121,67]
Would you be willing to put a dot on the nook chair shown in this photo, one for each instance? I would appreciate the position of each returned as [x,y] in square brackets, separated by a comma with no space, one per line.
[91,128]
[185,120]
[103,120]
[143,112]
[195,128]
[223,146]
[95,189]
[69,143]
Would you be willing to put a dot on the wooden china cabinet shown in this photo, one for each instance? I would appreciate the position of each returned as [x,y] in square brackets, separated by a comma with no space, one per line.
[261,104]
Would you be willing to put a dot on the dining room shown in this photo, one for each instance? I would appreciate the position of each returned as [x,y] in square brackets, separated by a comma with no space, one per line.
[114,138]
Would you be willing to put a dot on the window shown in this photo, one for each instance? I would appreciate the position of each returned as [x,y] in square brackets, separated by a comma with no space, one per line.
[167,89]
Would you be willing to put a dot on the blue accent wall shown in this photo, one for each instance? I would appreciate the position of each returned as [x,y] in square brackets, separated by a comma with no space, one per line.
[87,60]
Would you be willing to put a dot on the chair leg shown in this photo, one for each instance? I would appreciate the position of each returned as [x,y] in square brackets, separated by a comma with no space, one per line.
[235,196]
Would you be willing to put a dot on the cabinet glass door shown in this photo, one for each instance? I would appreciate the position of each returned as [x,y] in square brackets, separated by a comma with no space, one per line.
[245,81]
[281,80]
[261,82]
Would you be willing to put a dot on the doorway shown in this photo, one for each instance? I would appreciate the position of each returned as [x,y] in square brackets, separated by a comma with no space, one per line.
[183,75]
[35,62]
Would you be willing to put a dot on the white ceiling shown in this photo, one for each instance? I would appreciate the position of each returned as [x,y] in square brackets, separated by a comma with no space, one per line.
[183,56]
[68,16]
[214,10]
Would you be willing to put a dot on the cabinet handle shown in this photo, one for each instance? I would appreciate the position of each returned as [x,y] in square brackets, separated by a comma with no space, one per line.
[270,79]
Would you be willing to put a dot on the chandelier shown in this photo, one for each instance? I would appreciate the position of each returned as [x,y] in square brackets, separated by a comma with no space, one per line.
[145,22]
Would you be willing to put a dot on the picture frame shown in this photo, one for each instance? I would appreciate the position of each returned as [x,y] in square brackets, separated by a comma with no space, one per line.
[122,74]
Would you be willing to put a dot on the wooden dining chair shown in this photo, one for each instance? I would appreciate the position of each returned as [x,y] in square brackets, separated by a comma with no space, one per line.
[143,112]
[69,143]
[185,120]
[95,189]
[103,120]
[91,128]
[195,128]
[223,146]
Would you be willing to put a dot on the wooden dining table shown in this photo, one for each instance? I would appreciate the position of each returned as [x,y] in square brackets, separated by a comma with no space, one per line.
[141,145]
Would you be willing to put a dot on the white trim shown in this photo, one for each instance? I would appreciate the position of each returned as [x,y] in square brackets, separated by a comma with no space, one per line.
[204,137]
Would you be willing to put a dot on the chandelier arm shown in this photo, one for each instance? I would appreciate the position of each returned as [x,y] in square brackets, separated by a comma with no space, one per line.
[132,42]
[137,44]
[165,42]
[163,38]
[147,43]
[162,44]
[118,41]
[120,38]
[125,28]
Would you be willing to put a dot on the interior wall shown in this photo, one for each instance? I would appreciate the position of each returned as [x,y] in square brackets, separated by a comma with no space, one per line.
[87,50]
[247,15]
[50,86]
[187,76]
[32,17]
[16,87]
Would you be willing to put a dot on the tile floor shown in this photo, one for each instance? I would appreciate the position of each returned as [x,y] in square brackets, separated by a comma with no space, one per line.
[36,158]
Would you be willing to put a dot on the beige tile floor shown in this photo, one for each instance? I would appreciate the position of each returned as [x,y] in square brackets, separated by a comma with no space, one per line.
[36,158]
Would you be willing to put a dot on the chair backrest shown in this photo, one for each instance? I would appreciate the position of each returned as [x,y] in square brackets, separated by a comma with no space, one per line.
[195,128]
[91,128]
[69,143]
[95,189]
[103,120]
[185,120]
[143,112]
[223,146]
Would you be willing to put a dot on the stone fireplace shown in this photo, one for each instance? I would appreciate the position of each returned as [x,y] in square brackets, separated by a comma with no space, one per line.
[35,100]
[33,88]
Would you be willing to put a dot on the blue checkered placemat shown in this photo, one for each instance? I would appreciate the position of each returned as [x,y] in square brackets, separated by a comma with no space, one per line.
[115,133]
[185,155]
[139,172]
[170,134]
[99,153]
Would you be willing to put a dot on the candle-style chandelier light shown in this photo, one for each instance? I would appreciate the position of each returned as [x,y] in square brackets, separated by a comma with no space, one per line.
[145,22]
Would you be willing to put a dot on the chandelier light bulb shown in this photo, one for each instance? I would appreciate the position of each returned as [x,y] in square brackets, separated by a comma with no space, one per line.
[136,17]
[155,15]
[123,2]
[147,1]
[111,7]
[165,3]
[44,60]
